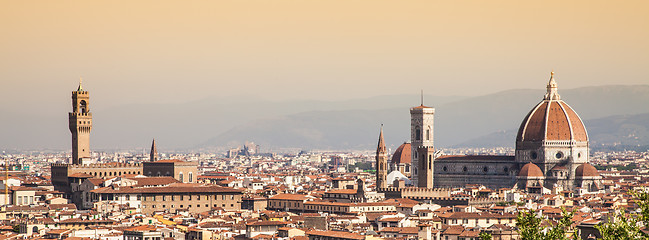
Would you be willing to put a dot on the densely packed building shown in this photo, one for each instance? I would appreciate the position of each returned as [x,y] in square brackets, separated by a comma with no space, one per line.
[419,194]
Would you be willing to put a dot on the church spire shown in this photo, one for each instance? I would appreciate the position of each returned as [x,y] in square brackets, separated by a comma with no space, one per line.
[381,162]
[154,152]
[381,146]
[552,93]
[80,88]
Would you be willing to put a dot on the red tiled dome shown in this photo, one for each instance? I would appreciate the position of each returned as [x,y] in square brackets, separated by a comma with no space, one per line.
[586,170]
[402,154]
[530,170]
[552,119]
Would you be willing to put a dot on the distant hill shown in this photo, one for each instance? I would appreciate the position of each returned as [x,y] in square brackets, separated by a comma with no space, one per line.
[175,126]
[620,131]
[485,121]
[347,124]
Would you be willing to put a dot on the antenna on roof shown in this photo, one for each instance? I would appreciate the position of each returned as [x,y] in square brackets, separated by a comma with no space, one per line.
[422,97]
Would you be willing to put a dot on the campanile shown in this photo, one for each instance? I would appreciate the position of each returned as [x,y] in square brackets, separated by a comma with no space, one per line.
[80,123]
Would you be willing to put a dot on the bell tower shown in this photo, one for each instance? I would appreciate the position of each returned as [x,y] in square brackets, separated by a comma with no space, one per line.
[381,162]
[80,123]
[421,135]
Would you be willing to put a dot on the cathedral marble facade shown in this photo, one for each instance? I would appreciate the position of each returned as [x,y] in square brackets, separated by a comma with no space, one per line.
[551,151]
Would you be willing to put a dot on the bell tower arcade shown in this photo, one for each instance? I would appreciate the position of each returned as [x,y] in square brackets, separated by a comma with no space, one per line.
[80,123]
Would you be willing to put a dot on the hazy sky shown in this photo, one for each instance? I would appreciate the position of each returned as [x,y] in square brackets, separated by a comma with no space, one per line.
[176,51]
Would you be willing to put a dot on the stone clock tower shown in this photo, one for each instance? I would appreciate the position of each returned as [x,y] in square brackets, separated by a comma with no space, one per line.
[80,122]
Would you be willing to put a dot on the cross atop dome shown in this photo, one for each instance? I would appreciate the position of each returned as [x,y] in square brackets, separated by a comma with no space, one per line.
[552,93]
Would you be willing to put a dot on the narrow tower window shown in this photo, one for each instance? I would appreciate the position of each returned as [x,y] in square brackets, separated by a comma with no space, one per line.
[427,134]
[417,134]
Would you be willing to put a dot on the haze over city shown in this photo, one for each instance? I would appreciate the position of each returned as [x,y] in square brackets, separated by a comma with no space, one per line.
[324,120]
[138,54]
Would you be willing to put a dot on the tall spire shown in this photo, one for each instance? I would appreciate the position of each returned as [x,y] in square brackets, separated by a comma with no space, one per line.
[552,93]
[80,88]
[381,162]
[381,146]
[154,152]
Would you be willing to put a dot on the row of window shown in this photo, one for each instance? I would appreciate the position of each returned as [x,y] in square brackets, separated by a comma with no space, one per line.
[191,177]
[178,197]
[488,221]
[110,174]
[188,206]
[20,200]
[484,169]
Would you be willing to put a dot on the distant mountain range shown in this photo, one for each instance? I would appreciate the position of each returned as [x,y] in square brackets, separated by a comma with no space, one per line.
[488,121]
[612,114]
[614,132]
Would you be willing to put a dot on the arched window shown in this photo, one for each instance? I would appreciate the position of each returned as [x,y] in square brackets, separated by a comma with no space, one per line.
[180,177]
[417,134]
[427,134]
[191,177]
[83,106]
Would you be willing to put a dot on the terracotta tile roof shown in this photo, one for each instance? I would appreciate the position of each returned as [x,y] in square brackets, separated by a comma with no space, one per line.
[142,228]
[530,170]
[470,233]
[420,107]
[453,230]
[342,191]
[96,181]
[552,120]
[335,234]
[287,196]
[154,181]
[80,175]
[586,170]
[391,219]
[401,230]
[402,154]
[267,223]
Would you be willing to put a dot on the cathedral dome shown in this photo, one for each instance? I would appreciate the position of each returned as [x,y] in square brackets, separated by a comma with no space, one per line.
[530,170]
[586,170]
[402,154]
[552,120]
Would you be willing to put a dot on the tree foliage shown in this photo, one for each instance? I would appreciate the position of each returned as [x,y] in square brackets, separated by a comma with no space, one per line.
[627,225]
[530,226]
[485,236]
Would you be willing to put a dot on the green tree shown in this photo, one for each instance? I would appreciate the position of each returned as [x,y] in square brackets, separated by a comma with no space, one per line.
[530,226]
[485,236]
[627,225]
